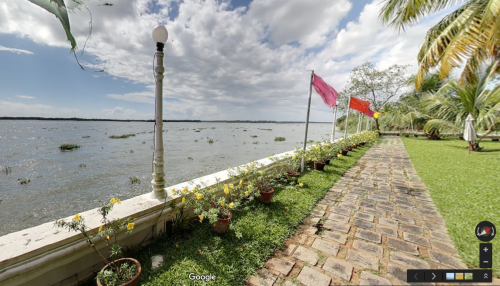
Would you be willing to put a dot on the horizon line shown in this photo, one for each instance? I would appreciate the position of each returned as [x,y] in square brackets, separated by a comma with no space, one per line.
[148,120]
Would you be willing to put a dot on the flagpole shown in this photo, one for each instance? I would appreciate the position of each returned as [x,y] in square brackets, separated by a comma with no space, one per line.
[332,138]
[307,119]
[367,122]
[359,121]
[347,119]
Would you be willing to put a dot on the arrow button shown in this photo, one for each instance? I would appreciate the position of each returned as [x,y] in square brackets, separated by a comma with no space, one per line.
[433,276]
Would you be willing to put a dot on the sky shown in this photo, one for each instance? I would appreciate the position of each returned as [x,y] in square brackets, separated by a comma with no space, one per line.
[224,59]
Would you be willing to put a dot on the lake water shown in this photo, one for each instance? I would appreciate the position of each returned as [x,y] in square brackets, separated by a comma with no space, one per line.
[61,186]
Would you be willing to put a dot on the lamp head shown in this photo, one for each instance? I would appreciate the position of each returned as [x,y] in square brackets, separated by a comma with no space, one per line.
[160,36]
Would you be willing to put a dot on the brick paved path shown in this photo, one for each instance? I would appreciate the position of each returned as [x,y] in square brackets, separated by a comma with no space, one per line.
[377,221]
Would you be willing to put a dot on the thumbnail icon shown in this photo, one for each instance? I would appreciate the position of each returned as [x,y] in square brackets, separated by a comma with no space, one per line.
[459,276]
[468,276]
[485,231]
[450,276]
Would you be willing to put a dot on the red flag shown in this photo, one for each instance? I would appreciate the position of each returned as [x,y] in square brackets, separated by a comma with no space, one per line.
[369,112]
[359,105]
[328,93]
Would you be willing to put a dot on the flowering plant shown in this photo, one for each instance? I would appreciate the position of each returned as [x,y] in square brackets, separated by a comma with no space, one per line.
[260,180]
[319,152]
[118,273]
[208,203]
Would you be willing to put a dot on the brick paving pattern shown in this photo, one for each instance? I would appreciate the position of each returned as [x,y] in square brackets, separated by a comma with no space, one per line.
[377,221]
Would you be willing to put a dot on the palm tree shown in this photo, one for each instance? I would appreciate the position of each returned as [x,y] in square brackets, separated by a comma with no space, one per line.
[451,104]
[471,33]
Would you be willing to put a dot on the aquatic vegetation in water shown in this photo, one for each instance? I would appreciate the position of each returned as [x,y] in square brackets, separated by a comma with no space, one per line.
[131,151]
[23,181]
[69,147]
[279,139]
[122,136]
[7,170]
[86,136]
[256,142]
[210,140]
[265,129]
[83,166]
[134,180]
[190,158]
[253,136]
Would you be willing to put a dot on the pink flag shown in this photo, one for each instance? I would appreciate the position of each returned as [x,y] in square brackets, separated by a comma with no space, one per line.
[369,112]
[327,92]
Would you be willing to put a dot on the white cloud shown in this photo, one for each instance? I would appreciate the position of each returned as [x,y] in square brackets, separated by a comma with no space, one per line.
[124,113]
[25,96]
[15,109]
[224,64]
[16,51]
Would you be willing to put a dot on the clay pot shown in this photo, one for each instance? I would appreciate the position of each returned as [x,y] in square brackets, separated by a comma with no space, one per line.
[135,280]
[344,152]
[327,162]
[266,197]
[222,225]
[319,166]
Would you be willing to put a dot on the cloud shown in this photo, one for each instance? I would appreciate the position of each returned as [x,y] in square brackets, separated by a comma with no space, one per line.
[15,109]
[16,51]
[247,63]
[124,113]
[25,96]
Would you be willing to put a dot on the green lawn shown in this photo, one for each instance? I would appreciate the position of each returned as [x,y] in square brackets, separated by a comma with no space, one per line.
[465,188]
[264,229]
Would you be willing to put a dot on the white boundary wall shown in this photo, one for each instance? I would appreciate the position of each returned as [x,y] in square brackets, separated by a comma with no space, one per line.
[45,255]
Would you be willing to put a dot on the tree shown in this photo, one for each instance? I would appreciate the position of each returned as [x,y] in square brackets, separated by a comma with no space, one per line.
[453,102]
[471,33]
[378,87]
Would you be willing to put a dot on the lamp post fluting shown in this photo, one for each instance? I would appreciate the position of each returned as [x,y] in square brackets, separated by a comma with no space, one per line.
[160,36]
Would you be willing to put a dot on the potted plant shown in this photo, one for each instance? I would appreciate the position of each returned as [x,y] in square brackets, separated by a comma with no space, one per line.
[117,270]
[260,181]
[320,156]
[214,203]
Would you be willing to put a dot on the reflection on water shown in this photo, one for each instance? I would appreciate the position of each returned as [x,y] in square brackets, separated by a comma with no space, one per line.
[64,183]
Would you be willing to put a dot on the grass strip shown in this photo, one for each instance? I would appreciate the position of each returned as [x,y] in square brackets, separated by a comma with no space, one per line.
[264,229]
[464,188]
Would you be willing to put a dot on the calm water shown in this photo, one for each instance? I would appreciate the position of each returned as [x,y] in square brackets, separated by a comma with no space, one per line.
[61,187]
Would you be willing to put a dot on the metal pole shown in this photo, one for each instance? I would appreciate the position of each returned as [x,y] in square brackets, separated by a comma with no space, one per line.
[358,129]
[347,119]
[307,119]
[332,138]
[158,163]
[367,122]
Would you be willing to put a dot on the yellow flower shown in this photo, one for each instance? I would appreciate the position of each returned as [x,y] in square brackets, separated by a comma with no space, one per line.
[294,157]
[241,182]
[183,200]
[221,204]
[198,196]
[287,154]
[315,158]
[286,208]
[246,193]
[339,155]
[231,186]
[195,190]
[130,226]
[211,189]
[241,249]
[231,205]
[118,201]
[260,172]
[185,190]
[201,218]
[176,246]
[112,201]
[269,158]
[246,173]
[226,189]
[77,217]
[107,237]
[229,169]
[173,191]
[100,228]
[249,186]
[301,185]
[340,152]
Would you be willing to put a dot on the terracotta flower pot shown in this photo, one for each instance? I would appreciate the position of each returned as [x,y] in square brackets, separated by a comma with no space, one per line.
[327,161]
[415,135]
[344,152]
[292,177]
[221,225]
[362,143]
[319,166]
[135,280]
[266,197]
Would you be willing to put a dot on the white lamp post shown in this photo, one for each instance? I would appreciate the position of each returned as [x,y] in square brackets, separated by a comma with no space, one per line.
[160,36]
